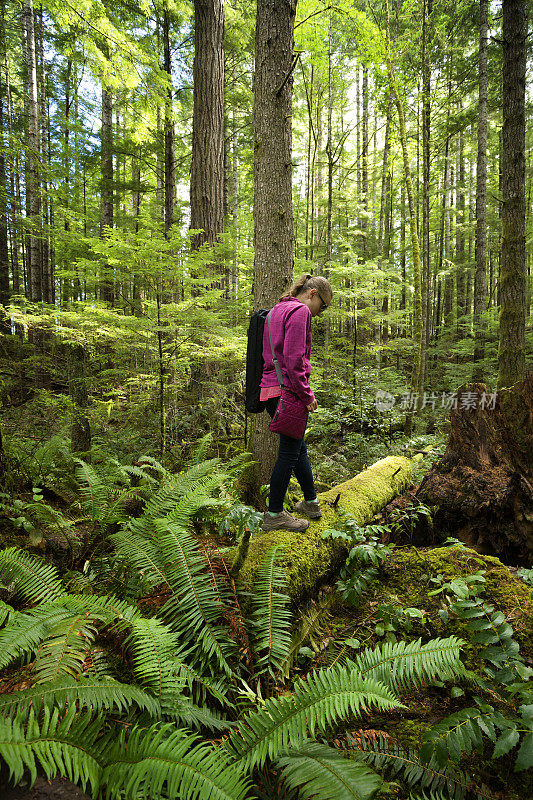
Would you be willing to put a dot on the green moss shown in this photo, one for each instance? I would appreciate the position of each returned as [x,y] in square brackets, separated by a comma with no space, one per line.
[310,559]
[407,573]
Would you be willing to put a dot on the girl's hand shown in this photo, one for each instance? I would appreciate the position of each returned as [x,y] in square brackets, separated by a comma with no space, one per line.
[312,406]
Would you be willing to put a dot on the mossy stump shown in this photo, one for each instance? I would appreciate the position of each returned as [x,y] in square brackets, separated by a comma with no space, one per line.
[483,484]
[309,559]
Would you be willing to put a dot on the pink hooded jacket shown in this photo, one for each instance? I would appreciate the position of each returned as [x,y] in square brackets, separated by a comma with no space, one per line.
[292,337]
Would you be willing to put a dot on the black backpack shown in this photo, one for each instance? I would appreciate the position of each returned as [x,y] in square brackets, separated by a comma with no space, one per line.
[254,361]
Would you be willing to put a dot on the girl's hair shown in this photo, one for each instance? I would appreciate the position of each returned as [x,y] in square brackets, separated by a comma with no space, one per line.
[306,282]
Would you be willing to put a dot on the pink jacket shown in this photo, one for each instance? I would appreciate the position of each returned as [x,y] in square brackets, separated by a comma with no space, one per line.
[292,338]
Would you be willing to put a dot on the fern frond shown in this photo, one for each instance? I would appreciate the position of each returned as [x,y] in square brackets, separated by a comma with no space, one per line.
[160,664]
[321,700]
[142,554]
[459,733]
[403,665]
[309,626]
[153,645]
[65,648]
[271,616]
[395,760]
[321,772]
[5,612]
[192,610]
[96,695]
[187,713]
[60,745]
[33,579]
[163,761]
[25,631]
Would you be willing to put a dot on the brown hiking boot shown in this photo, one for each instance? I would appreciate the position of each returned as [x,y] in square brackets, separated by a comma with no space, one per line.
[310,508]
[284,522]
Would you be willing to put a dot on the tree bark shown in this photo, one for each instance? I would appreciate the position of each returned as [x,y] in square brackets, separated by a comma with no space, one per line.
[480,281]
[106,284]
[273,214]
[33,197]
[80,431]
[168,128]
[512,347]
[207,165]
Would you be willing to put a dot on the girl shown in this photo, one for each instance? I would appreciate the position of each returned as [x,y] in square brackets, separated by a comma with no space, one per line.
[290,325]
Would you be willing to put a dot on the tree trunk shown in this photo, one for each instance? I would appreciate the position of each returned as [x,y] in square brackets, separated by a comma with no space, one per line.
[80,431]
[480,281]
[418,329]
[483,484]
[106,284]
[512,347]
[207,165]
[273,215]
[4,248]
[168,127]
[33,201]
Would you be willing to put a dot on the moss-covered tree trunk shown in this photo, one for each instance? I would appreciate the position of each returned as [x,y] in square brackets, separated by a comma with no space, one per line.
[483,484]
[310,559]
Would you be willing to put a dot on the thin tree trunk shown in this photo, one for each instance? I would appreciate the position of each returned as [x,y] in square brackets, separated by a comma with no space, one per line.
[106,284]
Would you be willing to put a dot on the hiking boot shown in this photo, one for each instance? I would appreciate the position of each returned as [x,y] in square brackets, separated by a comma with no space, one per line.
[310,508]
[284,522]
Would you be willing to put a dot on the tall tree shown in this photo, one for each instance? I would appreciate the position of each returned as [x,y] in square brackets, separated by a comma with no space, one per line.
[273,214]
[480,281]
[106,285]
[207,165]
[512,346]
[33,194]
[168,125]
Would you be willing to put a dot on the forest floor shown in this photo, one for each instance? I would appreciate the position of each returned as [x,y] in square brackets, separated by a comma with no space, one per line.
[56,789]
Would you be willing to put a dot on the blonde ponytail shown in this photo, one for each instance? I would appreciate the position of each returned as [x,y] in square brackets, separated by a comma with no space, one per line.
[306,282]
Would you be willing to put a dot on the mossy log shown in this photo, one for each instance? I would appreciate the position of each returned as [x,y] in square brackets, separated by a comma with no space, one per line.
[483,484]
[309,559]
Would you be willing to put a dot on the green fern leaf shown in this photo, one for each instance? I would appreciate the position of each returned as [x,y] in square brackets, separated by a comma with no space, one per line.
[390,759]
[402,665]
[310,626]
[65,648]
[160,664]
[321,700]
[271,617]
[164,761]
[323,773]
[192,610]
[33,580]
[61,746]
[105,694]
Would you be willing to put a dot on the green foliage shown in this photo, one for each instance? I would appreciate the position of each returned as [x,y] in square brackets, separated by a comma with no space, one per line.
[393,760]
[271,617]
[321,771]
[364,557]
[324,698]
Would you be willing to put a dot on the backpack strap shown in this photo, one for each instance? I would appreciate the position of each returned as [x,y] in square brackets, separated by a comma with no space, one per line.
[274,359]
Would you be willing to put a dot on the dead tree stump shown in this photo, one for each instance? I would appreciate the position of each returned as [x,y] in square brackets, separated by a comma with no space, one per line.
[483,484]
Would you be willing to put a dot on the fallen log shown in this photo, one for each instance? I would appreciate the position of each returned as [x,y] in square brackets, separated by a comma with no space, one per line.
[308,558]
[482,487]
